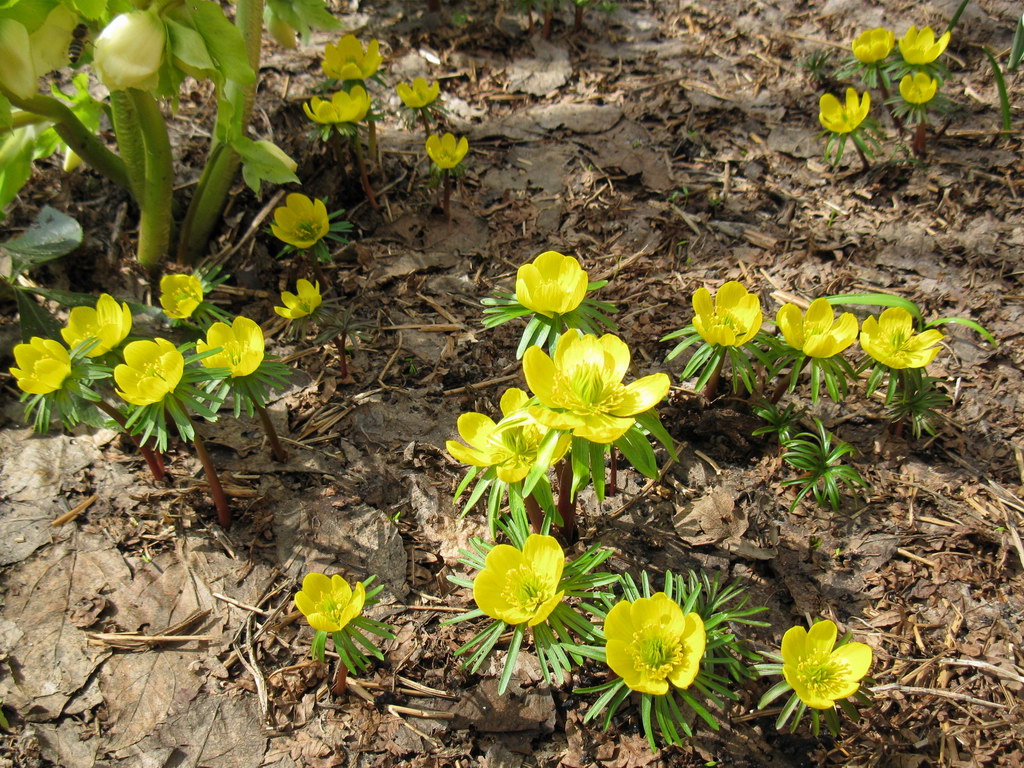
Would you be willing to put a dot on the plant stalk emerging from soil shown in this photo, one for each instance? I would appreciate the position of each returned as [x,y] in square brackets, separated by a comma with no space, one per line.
[276,449]
[220,499]
[154,460]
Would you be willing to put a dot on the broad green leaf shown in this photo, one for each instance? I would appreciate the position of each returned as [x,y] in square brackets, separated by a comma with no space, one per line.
[303,14]
[260,164]
[88,9]
[5,112]
[35,321]
[189,50]
[223,41]
[52,235]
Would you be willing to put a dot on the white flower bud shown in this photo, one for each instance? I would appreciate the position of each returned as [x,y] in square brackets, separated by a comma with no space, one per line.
[129,51]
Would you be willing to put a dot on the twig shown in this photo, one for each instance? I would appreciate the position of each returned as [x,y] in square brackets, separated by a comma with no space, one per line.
[243,606]
[939,692]
[75,511]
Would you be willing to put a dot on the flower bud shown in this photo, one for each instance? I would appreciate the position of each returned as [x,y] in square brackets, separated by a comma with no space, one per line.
[129,51]
[71,160]
[17,74]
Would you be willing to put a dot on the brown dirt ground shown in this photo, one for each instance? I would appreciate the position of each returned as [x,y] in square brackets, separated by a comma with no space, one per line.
[669,145]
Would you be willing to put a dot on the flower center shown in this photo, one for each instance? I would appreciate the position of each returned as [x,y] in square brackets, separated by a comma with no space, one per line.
[308,230]
[821,676]
[524,590]
[657,654]
[332,608]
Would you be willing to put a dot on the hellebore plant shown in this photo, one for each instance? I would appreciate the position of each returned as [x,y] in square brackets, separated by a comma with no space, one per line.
[820,339]
[524,586]
[340,116]
[303,224]
[420,99]
[158,381]
[580,391]
[183,298]
[728,327]
[918,94]
[553,290]
[670,648]
[501,455]
[239,348]
[819,674]
[335,609]
[307,307]
[447,154]
[847,122]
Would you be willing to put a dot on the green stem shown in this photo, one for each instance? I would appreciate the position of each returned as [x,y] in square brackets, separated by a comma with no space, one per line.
[220,499]
[158,185]
[129,141]
[76,135]
[211,193]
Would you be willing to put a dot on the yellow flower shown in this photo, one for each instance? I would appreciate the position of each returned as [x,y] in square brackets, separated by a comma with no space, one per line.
[420,94]
[108,322]
[302,304]
[552,284]
[329,604]
[343,107]
[890,339]
[651,643]
[151,370]
[241,346]
[840,118]
[517,586]
[733,319]
[348,61]
[818,334]
[581,389]
[921,47]
[445,151]
[874,45]
[918,88]
[180,295]
[819,674]
[43,365]
[300,222]
[510,445]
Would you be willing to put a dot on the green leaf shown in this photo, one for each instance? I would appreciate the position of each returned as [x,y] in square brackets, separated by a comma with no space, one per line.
[1004,98]
[35,321]
[974,326]
[634,446]
[52,235]
[1017,48]
[5,112]
[876,300]
[259,164]
[89,9]
[303,14]
[188,47]
[223,41]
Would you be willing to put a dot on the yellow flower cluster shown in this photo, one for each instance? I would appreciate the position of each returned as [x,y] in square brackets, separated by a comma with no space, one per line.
[735,318]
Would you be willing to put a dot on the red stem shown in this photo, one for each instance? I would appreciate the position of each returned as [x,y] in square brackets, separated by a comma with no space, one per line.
[546,32]
[566,503]
[613,470]
[339,343]
[434,6]
[340,679]
[364,177]
[154,460]
[534,512]
[220,500]
[919,144]
[787,380]
[276,449]
[577,23]
[712,386]
[447,195]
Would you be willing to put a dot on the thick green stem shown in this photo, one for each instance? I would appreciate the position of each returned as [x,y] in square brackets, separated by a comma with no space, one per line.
[129,141]
[158,186]
[76,135]
[276,449]
[211,194]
